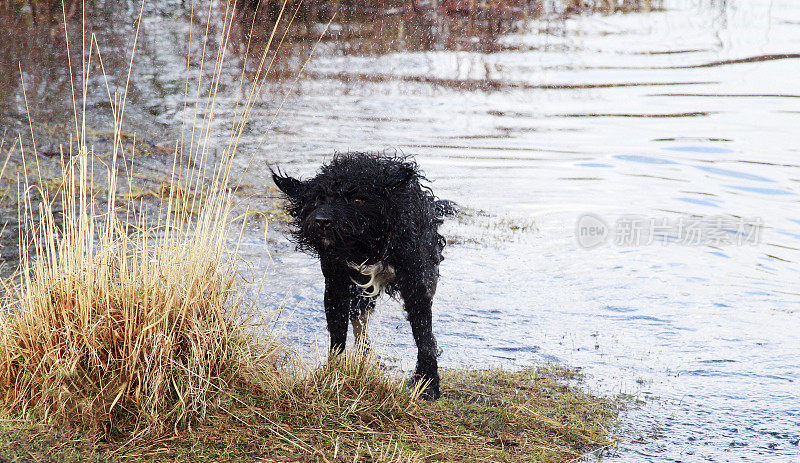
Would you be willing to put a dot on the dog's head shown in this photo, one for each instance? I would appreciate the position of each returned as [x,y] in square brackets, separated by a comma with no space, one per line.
[349,209]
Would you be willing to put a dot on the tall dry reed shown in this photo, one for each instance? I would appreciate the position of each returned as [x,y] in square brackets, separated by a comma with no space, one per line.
[125,321]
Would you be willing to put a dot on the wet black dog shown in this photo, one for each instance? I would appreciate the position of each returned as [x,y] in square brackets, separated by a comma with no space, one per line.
[374,227]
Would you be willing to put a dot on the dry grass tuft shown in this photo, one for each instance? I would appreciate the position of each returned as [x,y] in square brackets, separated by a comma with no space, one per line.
[349,393]
[119,321]
[121,336]
[119,326]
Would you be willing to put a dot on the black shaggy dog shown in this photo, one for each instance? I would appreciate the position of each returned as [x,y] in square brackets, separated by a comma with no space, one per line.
[375,229]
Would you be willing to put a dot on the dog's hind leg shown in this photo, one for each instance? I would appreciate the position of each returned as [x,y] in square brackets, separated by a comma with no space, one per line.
[418,302]
[359,317]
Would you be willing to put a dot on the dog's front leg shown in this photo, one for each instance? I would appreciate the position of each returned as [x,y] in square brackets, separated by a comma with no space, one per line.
[337,305]
[418,304]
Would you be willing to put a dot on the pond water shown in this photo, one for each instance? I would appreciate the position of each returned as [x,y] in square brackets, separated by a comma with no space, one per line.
[655,122]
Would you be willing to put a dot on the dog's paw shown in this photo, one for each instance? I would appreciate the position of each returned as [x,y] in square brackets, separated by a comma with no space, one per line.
[431,390]
[431,393]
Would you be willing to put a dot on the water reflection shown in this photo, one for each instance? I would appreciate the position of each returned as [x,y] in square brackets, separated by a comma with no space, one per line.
[32,39]
[34,48]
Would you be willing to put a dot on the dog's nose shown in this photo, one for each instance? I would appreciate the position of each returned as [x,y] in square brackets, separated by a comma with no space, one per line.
[323,220]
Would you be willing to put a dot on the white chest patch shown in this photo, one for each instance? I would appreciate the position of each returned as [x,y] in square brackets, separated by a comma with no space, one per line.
[379,274]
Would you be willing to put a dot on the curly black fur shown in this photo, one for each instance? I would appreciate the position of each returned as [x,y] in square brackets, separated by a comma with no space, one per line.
[374,227]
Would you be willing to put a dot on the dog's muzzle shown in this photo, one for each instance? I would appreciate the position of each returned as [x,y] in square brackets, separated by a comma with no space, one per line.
[321,226]
[323,220]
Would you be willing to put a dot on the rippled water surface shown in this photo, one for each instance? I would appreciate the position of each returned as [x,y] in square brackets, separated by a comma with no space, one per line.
[691,112]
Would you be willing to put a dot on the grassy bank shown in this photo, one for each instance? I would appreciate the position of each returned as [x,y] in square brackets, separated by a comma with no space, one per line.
[348,411]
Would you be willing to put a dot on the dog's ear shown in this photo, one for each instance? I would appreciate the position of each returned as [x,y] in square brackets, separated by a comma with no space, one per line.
[289,186]
[403,175]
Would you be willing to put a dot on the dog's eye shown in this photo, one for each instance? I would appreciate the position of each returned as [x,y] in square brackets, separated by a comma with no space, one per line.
[358,201]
